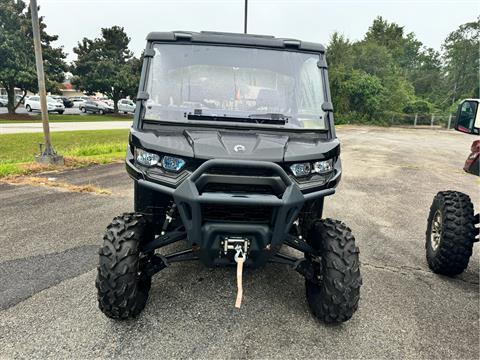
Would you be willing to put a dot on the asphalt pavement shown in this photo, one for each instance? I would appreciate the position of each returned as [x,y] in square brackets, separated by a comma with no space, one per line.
[49,238]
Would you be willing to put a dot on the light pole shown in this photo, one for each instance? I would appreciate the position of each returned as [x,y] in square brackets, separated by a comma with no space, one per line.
[47,154]
[245,17]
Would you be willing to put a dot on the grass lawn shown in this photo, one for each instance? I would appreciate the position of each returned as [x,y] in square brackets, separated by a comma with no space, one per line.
[24,118]
[79,148]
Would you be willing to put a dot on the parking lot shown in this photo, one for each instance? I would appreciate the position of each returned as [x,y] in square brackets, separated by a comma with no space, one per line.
[49,240]
[21,110]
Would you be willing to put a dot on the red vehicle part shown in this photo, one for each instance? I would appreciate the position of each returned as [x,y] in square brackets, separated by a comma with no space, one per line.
[472,162]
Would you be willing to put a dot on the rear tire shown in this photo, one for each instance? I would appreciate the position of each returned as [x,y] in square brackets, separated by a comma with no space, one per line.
[450,233]
[101,112]
[334,297]
[61,112]
[83,110]
[122,285]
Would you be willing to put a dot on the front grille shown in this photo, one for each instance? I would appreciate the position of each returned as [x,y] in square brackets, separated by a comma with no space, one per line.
[241,171]
[237,213]
[238,188]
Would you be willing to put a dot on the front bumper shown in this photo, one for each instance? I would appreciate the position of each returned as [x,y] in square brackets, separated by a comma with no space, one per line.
[209,233]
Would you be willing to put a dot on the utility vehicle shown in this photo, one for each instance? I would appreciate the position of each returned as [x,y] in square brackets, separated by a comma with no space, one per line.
[232,152]
[452,226]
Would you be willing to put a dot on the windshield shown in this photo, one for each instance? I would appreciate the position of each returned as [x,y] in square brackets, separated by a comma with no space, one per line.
[254,87]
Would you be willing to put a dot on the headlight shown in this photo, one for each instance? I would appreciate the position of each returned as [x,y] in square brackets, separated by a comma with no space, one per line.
[301,169]
[322,167]
[318,167]
[145,158]
[171,163]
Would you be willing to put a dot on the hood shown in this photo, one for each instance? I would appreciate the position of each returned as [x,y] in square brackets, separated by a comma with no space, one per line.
[218,144]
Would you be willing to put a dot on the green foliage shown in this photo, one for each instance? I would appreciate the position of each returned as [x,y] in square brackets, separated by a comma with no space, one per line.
[390,72]
[358,91]
[427,76]
[17,57]
[461,56]
[106,65]
[418,107]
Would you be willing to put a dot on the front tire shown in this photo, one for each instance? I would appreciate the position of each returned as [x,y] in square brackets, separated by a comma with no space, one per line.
[450,233]
[334,297]
[122,285]
[29,108]
[83,110]
[101,112]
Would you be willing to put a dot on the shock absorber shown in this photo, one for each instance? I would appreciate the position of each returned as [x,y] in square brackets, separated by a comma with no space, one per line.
[168,218]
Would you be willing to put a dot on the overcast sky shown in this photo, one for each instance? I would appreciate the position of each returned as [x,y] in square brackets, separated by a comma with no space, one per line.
[310,20]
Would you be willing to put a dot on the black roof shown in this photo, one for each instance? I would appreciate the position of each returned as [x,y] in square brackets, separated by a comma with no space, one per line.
[234,39]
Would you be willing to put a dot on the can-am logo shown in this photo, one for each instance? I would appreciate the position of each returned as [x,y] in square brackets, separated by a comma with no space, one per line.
[239,148]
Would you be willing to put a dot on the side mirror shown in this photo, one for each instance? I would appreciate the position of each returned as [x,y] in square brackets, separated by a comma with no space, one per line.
[327,106]
[468,117]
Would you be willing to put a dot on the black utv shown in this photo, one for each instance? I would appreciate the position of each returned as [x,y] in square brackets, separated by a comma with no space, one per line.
[232,152]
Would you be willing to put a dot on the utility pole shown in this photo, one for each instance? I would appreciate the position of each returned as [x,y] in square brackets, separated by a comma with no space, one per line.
[47,154]
[245,17]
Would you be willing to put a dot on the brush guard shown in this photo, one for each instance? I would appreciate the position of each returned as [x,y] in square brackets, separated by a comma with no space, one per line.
[199,235]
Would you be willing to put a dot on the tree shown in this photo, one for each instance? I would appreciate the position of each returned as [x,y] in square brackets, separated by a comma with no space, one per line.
[106,65]
[427,76]
[366,80]
[404,48]
[364,92]
[17,55]
[462,61]
[340,51]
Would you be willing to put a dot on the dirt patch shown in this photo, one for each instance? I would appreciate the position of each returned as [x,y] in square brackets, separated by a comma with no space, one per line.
[70,163]
[52,183]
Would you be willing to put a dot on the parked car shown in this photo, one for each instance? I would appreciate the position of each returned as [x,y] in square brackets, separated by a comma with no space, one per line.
[20,98]
[64,100]
[126,105]
[78,100]
[107,101]
[3,100]
[95,106]
[33,103]
[56,98]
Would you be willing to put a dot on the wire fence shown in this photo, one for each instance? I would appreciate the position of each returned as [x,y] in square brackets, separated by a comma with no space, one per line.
[434,120]
[443,120]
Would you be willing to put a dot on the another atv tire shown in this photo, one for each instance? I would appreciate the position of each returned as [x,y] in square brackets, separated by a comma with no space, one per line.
[450,233]
[334,297]
[122,285]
